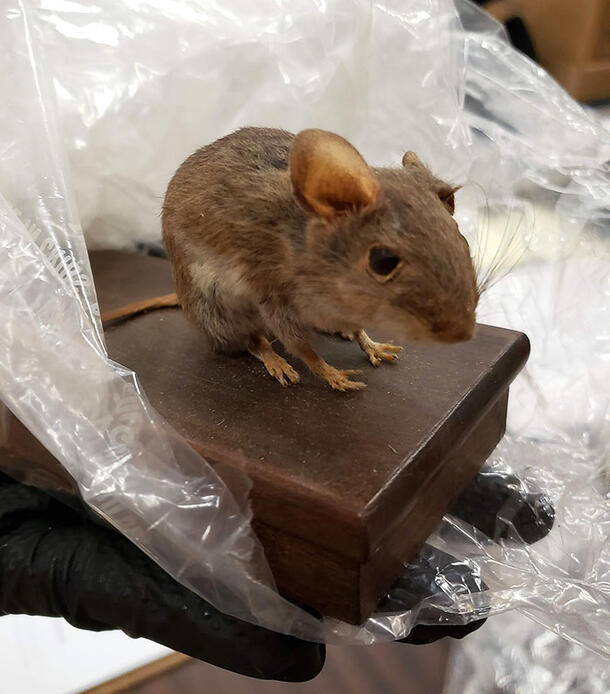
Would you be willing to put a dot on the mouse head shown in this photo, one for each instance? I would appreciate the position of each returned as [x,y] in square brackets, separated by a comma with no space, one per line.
[382,247]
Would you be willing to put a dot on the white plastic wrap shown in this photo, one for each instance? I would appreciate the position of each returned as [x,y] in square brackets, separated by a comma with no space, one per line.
[513,655]
[101,102]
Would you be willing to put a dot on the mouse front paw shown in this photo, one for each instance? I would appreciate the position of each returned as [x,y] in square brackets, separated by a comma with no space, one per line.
[377,351]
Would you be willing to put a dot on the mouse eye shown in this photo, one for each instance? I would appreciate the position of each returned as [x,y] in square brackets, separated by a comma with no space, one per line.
[383,261]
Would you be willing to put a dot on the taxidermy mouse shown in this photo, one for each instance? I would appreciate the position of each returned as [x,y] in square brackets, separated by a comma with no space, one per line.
[272,235]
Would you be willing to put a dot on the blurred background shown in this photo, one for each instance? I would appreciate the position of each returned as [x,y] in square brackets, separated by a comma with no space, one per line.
[511,654]
[571,40]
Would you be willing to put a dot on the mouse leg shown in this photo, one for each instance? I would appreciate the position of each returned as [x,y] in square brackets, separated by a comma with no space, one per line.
[377,351]
[336,378]
[277,366]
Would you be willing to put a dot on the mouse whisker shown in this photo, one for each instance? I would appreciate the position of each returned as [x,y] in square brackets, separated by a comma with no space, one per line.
[508,252]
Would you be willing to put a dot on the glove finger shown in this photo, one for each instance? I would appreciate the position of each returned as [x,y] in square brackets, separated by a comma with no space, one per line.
[434,578]
[497,504]
[56,563]
[422,634]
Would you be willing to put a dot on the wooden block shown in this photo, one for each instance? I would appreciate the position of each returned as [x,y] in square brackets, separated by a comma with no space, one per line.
[346,487]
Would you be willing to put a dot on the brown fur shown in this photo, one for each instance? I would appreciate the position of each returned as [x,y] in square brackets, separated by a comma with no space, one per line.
[270,235]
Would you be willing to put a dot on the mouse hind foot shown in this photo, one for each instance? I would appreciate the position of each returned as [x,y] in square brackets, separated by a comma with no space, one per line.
[337,379]
[277,366]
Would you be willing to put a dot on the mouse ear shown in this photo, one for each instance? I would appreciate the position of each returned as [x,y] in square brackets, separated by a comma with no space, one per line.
[446,195]
[329,176]
[410,158]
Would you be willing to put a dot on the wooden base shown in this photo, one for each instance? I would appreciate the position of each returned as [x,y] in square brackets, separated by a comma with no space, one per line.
[351,590]
[346,487]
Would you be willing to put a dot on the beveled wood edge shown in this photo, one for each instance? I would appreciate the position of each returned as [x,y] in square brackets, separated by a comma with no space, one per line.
[365,526]
[140,675]
[377,531]
[329,506]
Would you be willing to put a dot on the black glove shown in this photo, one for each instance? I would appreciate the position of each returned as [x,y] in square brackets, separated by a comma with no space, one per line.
[501,507]
[55,561]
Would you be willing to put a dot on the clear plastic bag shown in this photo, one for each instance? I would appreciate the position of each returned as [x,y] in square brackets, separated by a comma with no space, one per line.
[513,655]
[102,103]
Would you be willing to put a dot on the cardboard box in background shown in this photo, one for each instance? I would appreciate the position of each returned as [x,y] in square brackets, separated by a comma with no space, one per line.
[571,39]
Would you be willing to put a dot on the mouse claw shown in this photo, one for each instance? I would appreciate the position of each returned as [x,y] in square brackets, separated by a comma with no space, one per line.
[281,370]
[338,379]
[378,352]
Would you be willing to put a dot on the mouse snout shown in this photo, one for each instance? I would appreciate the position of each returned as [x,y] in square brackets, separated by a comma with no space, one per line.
[453,331]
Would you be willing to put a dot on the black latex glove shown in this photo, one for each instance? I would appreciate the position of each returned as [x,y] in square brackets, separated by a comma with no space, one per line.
[501,507]
[55,561]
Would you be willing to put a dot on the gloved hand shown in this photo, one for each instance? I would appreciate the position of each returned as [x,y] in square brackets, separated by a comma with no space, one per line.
[498,505]
[56,561]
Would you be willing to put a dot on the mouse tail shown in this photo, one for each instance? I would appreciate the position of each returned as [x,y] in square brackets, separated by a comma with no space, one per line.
[137,307]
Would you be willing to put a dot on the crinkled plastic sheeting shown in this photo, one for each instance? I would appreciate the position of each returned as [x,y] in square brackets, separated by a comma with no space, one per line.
[102,101]
[514,655]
